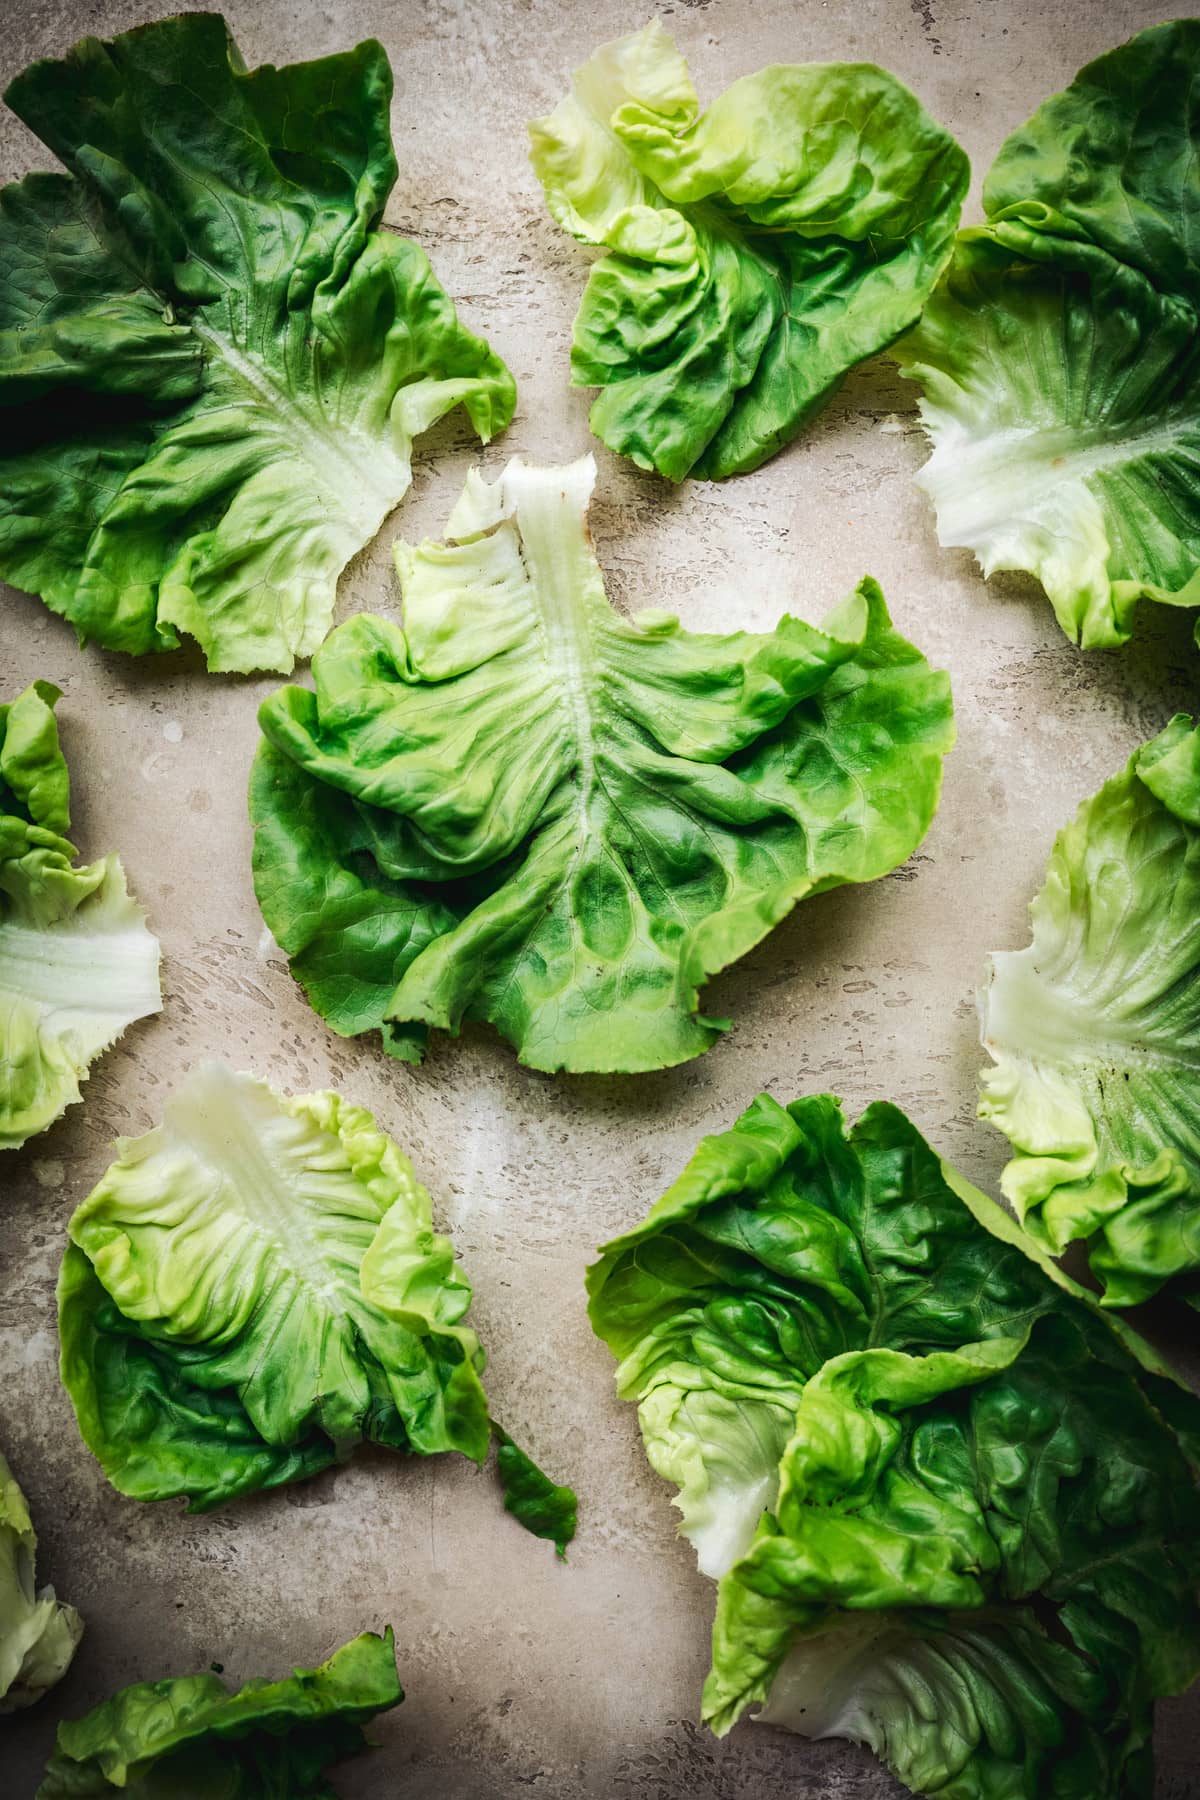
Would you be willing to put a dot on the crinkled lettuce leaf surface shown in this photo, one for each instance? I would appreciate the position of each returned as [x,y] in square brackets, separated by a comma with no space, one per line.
[752,254]
[951,1505]
[213,360]
[522,807]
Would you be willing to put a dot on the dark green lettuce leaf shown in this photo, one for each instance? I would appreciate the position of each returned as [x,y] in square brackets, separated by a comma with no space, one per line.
[212,362]
[1060,357]
[188,1736]
[541,1505]
[970,1537]
[754,253]
[524,808]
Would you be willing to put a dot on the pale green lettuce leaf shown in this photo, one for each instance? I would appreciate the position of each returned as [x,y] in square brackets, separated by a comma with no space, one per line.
[38,1634]
[979,1550]
[754,253]
[1094,1030]
[1058,356]
[524,808]
[254,1288]
[77,963]
[213,363]
[260,1270]
[188,1735]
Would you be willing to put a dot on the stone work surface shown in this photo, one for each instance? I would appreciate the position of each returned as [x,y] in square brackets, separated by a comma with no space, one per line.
[524,1676]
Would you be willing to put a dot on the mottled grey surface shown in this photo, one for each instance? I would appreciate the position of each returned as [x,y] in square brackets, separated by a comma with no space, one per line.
[524,1676]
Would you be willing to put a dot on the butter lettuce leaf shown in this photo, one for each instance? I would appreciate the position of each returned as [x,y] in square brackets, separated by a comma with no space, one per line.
[77,963]
[254,1288]
[213,363]
[1058,357]
[977,1549]
[38,1634]
[189,1735]
[1094,1031]
[753,253]
[524,808]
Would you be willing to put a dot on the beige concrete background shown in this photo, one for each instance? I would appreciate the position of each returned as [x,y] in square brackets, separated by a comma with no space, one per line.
[523,1676]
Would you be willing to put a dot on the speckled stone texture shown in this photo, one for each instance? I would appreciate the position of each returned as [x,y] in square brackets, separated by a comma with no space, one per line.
[524,1676]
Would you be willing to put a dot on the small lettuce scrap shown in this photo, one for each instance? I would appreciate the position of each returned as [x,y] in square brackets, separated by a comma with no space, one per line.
[1059,356]
[38,1634]
[753,253]
[77,963]
[254,1288]
[524,808]
[213,363]
[1094,1030]
[188,1735]
[952,1506]
[542,1506]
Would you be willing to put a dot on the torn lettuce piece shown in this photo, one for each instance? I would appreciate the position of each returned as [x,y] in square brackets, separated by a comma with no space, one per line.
[254,1288]
[526,809]
[189,1735]
[977,1549]
[1058,357]
[539,1504]
[77,963]
[213,363]
[1094,1031]
[38,1634]
[753,253]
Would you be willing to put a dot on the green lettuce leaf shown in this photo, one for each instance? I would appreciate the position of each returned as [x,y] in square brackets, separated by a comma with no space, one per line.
[977,1550]
[212,363]
[77,963]
[188,1735]
[254,1288]
[754,253]
[38,1634]
[524,808]
[1094,1030]
[541,1505]
[1059,355]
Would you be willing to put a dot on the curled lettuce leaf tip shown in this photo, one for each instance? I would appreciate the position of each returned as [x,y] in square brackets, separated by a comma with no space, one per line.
[77,962]
[523,808]
[1094,1031]
[952,1507]
[213,363]
[189,1735]
[254,1288]
[753,253]
[1058,357]
[38,1633]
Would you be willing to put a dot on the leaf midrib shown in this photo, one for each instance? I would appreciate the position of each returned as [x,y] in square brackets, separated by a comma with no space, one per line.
[1001,473]
[361,497]
[261,1193]
[1061,1032]
[55,969]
